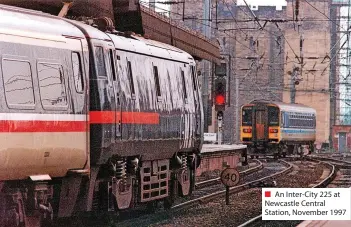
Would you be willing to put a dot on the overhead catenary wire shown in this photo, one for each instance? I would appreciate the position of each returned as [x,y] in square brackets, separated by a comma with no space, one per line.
[228,34]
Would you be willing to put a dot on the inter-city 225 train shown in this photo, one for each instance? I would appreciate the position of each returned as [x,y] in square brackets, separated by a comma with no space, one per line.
[91,120]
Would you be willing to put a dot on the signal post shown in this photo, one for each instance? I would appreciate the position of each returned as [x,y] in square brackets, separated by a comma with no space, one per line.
[220,98]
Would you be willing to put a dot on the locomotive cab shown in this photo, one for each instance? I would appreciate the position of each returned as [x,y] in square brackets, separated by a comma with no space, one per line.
[260,126]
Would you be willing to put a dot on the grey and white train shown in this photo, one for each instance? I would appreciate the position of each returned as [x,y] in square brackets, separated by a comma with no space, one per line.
[91,120]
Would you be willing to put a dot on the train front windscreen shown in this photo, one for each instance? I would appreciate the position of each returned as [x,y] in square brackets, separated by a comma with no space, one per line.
[247,116]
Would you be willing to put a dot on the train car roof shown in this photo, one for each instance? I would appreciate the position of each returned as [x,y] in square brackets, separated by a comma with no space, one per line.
[151,48]
[90,31]
[14,19]
[294,107]
[38,24]
[288,106]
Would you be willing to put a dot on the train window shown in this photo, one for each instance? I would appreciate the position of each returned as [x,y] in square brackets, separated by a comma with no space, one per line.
[273,116]
[52,85]
[247,116]
[130,76]
[113,65]
[100,62]
[157,81]
[194,77]
[18,83]
[77,72]
[184,85]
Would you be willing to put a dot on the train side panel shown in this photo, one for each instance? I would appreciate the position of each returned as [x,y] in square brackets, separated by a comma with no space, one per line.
[298,125]
[43,116]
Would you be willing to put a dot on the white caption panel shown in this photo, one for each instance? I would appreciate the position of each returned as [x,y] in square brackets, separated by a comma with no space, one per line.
[306,204]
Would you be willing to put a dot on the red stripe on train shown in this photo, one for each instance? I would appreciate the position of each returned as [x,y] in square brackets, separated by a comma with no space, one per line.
[96,117]
[42,126]
[110,117]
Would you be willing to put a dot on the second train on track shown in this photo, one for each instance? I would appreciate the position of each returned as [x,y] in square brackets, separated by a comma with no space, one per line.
[277,128]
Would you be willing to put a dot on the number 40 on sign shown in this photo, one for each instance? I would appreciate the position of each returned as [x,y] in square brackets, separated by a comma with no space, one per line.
[229,177]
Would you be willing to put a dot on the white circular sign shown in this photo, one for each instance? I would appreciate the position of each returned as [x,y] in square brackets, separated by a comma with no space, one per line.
[230,177]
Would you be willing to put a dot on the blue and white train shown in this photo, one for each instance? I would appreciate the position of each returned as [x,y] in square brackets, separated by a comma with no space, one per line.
[276,128]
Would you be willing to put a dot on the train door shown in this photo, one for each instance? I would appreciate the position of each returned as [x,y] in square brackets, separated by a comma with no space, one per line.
[102,103]
[342,141]
[193,105]
[197,101]
[260,118]
[187,115]
[114,60]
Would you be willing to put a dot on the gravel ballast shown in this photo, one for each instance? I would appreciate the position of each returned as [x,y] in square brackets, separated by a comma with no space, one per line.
[244,205]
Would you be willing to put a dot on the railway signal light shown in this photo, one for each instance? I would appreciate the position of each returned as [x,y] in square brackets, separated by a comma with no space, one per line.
[220,93]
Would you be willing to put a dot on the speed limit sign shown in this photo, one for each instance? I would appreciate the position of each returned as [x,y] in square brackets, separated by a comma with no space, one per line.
[230,177]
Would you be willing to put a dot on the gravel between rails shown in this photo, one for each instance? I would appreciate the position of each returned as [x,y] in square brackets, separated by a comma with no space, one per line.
[244,205]
[164,217]
[269,169]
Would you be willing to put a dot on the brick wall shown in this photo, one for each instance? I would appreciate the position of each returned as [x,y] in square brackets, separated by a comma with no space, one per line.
[262,79]
[216,163]
[313,89]
[276,48]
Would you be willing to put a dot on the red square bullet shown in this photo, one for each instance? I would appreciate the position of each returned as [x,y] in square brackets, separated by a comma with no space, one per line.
[267,194]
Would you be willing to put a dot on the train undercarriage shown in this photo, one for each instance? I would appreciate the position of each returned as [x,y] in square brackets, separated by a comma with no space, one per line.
[121,184]
[278,150]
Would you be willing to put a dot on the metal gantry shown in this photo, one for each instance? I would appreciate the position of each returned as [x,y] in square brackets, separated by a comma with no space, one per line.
[343,88]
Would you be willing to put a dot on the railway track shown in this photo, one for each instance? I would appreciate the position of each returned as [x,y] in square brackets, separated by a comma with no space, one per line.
[126,217]
[281,168]
[330,163]
[236,189]
[217,180]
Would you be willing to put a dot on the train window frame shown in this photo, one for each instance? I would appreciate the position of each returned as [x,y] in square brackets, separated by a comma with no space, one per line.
[103,62]
[193,77]
[130,78]
[18,105]
[80,71]
[157,82]
[243,112]
[270,112]
[114,69]
[185,92]
[62,78]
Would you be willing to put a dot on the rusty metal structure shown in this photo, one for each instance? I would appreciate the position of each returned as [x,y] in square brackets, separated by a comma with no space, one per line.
[179,36]
[128,15]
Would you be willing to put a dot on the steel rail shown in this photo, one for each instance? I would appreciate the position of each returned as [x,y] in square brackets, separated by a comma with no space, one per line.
[328,159]
[206,183]
[321,184]
[235,189]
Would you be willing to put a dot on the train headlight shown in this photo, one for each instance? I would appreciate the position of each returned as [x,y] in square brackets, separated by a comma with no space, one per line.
[273,130]
[247,130]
